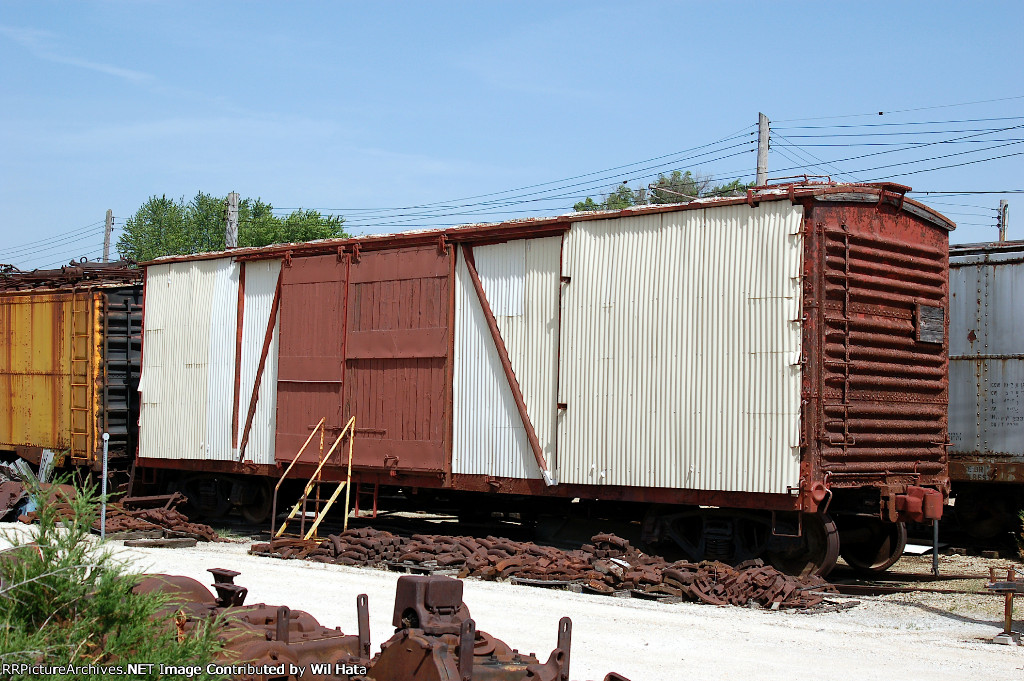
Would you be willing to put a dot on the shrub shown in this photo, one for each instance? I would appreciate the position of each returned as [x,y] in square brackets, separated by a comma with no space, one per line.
[65,600]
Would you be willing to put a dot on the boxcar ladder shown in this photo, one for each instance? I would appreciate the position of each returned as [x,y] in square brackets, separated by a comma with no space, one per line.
[320,506]
[81,398]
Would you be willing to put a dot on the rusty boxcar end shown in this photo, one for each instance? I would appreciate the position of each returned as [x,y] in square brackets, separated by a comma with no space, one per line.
[780,356]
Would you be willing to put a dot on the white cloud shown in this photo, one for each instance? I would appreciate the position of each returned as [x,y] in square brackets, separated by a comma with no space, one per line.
[44,45]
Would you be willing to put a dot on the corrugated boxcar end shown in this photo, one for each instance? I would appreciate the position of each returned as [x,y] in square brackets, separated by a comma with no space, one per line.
[876,284]
[52,372]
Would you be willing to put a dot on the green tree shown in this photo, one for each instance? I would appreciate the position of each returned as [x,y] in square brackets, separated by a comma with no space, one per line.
[163,226]
[676,187]
[157,228]
[65,600]
[621,197]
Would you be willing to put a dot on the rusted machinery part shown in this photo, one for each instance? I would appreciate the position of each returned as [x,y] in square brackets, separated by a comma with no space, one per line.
[444,646]
[446,635]
[178,590]
[814,552]
[254,634]
[868,544]
[153,501]
[12,493]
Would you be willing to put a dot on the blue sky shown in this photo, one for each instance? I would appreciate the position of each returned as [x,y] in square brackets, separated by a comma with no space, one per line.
[347,107]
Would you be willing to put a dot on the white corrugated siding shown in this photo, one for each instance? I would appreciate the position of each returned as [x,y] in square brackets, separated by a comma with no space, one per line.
[188,362]
[520,279]
[178,346]
[223,322]
[260,284]
[680,349]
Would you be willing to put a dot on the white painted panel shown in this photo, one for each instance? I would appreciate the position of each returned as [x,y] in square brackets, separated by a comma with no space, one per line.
[502,270]
[260,284]
[520,279]
[175,362]
[680,347]
[531,337]
[221,361]
[188,373]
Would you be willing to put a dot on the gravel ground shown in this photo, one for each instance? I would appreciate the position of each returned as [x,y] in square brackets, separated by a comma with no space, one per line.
[931,636]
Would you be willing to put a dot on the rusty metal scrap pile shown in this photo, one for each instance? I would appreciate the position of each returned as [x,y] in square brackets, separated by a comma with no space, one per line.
[119,519]
[608,565]
[174,522]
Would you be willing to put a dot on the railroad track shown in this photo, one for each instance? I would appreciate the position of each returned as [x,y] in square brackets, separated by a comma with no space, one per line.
[912,582]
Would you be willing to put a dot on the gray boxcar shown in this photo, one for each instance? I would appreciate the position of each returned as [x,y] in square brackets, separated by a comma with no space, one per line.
[986,385]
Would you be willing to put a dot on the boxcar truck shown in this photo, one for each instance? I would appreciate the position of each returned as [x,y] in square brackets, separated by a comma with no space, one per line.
[986,377]
[759,375]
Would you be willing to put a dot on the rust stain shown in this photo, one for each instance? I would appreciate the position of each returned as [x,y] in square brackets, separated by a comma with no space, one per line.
[881,385]
[35,371]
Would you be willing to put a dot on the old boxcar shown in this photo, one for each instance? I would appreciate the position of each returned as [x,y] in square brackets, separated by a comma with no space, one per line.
[766,374]
[69,368]
[986,375]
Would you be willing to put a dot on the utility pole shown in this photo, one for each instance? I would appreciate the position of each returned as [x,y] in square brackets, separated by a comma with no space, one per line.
[762,149]
[231,232]
[106,235]
[1004,216]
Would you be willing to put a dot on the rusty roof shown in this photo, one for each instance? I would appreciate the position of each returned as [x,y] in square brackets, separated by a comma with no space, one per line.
[533,227]
[75,275]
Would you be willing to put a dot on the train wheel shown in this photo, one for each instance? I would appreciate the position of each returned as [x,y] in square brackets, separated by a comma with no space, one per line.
[256,507]
[815,552]
[871,545]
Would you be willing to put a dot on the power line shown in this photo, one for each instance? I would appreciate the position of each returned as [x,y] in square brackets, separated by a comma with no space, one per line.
[890,151]
[920,108]
[837,169]
[64,261]
[56,237]
[54,246]
[781,152]
[907,132]
[957,165]
[883,125]
[459,202]
[903,144]
[583,187]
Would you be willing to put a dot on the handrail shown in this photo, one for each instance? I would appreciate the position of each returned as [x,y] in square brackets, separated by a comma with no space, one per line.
[347,485]
[314,479]
[273,510]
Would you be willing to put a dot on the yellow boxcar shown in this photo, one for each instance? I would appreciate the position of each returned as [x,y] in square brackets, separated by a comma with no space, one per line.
[52,374]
